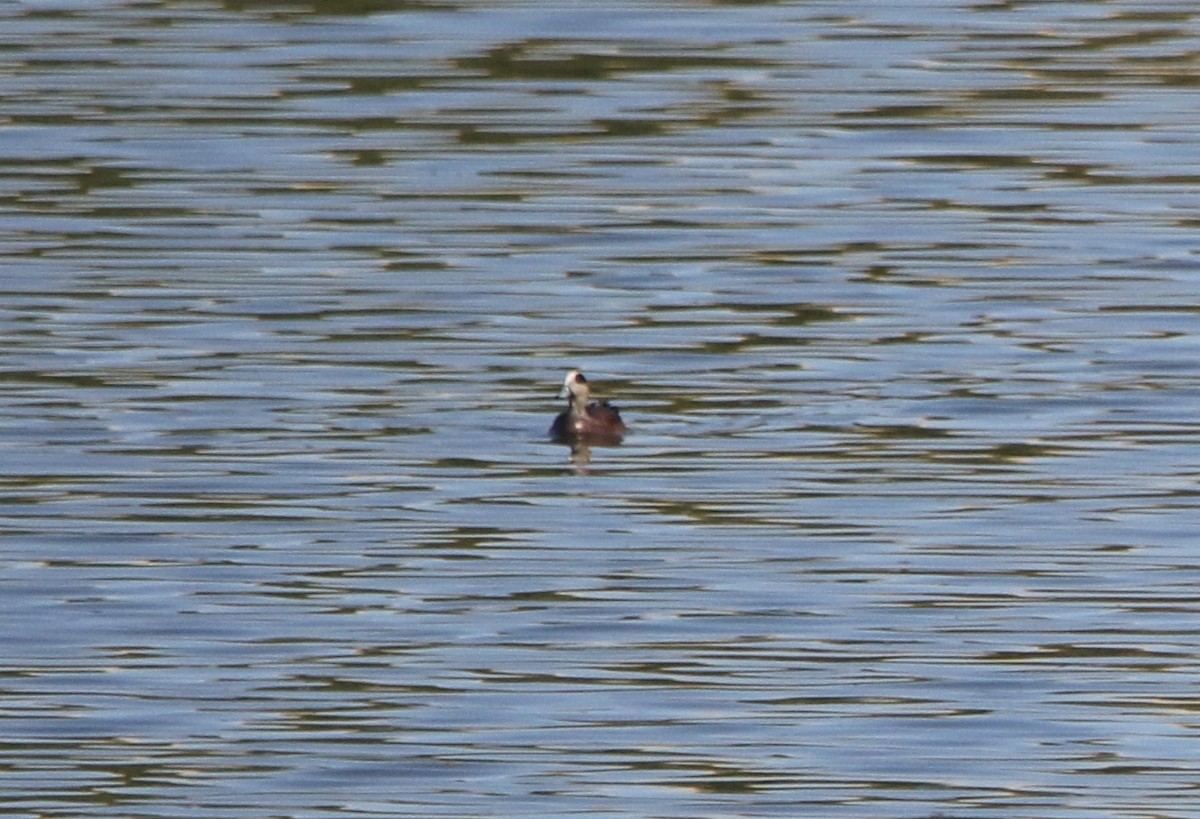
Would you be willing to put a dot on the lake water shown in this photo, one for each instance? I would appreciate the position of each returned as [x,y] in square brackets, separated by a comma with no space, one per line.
[898,299]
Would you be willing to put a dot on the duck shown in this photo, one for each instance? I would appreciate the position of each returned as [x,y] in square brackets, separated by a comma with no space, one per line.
[582,419]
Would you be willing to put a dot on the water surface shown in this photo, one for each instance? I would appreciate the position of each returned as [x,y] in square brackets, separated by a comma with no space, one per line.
[898,301]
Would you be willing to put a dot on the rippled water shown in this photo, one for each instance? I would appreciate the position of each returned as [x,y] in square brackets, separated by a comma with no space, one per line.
[898,299]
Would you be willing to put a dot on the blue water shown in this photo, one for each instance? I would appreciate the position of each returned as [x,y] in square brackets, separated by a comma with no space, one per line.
[898,300]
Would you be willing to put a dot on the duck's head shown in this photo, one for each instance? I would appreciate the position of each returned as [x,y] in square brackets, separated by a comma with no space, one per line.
[575,387]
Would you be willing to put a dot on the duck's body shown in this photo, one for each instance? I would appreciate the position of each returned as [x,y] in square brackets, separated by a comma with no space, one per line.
[595,420]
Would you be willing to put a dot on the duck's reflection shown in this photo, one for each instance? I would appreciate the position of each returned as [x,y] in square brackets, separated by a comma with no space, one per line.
[581,445]
[581,452]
